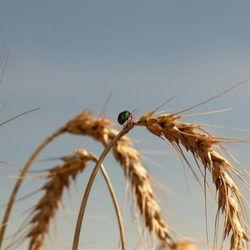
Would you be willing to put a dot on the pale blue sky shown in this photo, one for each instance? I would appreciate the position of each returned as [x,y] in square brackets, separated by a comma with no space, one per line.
[68,56]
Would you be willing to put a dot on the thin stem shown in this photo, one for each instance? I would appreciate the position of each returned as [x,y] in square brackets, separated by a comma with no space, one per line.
[91,181]
[16,116]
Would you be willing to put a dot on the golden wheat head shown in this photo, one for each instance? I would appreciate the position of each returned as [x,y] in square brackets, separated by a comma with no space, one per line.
[57,181]
[203,147]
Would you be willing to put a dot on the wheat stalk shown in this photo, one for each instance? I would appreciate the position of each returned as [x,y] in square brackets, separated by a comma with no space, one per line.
[90,184]
[203,147]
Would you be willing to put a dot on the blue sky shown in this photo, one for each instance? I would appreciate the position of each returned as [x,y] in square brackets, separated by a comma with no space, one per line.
[68,56]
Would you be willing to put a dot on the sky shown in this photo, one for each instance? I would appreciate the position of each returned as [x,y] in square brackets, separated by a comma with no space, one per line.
[68,56]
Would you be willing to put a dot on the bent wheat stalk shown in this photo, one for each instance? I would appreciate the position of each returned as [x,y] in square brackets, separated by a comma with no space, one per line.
[59,179]
[203,147]
[90,183]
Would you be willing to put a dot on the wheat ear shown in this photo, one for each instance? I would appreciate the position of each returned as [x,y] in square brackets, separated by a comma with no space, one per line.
[141,186]
[59,179]
[203,147]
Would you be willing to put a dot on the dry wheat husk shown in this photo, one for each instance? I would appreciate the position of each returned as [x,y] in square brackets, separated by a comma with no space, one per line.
[203,147]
